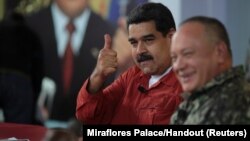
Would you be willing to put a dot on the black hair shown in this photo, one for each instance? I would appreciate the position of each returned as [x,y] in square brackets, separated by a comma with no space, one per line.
[156,12]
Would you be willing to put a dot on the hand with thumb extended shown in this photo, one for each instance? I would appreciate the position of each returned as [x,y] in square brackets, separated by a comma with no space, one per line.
[107,60]
[106,65]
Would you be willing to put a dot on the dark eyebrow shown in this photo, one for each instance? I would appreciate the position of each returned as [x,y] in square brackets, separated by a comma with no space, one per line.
[148,36]
[143,37]
[131,39]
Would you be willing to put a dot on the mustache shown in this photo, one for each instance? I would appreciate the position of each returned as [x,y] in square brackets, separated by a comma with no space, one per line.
[144,57]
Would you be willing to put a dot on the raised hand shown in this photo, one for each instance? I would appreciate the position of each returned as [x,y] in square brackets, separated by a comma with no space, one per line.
[107,64]
[107,59]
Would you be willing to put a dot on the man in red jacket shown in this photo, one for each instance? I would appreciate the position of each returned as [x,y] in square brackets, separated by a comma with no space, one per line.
[147,93]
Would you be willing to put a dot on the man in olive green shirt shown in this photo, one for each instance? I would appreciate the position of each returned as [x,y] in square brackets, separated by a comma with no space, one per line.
[215,91]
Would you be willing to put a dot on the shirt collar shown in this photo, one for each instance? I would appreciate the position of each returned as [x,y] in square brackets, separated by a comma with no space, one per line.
[166,77]
[80,22]
[155,78]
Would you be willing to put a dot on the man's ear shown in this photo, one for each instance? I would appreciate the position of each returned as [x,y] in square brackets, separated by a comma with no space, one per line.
[222,52]
[171,33]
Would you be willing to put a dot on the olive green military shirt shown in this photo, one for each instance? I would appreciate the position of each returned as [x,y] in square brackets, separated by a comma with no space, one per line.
[224,100]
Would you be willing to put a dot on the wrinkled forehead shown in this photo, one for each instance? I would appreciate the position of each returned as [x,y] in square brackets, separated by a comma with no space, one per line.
[190,31]
[188,36]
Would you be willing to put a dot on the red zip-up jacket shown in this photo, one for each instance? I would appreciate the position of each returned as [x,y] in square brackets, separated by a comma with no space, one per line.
[128,100]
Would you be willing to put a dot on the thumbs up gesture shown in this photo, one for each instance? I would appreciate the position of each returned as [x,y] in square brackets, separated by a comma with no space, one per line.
[107,60]
[107,64]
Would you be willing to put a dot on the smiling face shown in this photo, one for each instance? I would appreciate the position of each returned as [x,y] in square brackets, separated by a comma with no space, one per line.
[195,59]
[150,49]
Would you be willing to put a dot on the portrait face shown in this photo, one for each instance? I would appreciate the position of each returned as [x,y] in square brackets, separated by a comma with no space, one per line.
[72,8]
[195,59]
[150,49]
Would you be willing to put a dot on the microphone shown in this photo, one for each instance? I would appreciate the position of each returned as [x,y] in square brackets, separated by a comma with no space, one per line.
[142,89]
